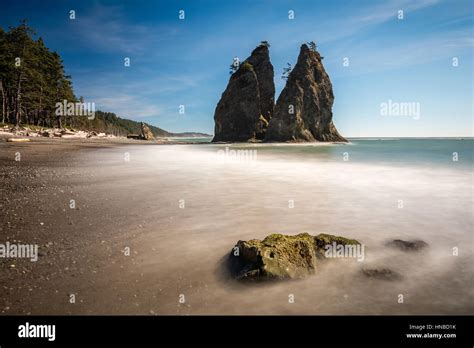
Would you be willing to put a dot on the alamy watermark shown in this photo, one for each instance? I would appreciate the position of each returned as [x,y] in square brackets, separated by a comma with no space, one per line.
[240,155]
[66,108]
[356,251]
[28,251]
[408,109]
[28,330]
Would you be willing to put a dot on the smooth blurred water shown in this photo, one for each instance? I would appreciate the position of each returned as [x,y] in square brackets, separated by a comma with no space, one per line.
[389,151]
[385,190]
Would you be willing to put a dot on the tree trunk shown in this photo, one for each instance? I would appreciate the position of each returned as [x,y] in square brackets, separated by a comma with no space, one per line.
[18,102]
[40,109]
[3,101]
[58,117]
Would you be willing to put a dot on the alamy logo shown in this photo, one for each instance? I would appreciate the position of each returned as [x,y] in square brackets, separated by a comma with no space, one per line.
[335,250]
[29,251]
[237,155]
[37,331]
[75,109]
[391,108]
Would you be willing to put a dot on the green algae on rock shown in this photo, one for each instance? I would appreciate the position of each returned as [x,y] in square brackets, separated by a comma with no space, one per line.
[281,256]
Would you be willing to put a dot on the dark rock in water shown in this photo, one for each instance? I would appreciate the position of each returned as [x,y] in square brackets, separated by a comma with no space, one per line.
[147,134]
[411,245]
[304,109]
[281,256]
[134,136]
[246,106]
[381,273]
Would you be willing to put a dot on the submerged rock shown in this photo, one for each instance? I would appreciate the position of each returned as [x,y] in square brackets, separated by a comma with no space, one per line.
[381,273]
[281,256]
[304,108]
[246,106]
[410,245]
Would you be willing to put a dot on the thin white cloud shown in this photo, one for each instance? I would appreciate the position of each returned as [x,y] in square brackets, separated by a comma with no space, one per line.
[342,27]
[442,46]
[389,10]
[107,29]
[153,96]
[126,105]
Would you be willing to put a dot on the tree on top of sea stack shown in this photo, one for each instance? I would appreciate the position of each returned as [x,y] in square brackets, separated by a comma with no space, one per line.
[286,71]
[312,46]
[303,111]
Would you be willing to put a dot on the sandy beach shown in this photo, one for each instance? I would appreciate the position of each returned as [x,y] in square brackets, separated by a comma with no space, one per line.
[181,208]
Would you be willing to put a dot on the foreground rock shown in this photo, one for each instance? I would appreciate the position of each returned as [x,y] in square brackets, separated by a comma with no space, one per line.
[304,109]
[410,245]
[281,256]
[246,106]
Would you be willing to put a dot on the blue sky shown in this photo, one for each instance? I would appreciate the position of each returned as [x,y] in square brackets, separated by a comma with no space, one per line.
[185,62]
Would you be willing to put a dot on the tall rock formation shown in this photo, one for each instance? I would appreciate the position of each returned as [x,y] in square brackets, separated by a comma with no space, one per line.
[304,109]
[147,134]
[246,106]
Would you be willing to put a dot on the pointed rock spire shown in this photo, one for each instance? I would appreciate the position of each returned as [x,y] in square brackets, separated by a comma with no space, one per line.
[304,109]
[246,106]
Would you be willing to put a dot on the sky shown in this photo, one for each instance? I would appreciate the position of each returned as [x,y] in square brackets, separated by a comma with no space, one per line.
[373,54]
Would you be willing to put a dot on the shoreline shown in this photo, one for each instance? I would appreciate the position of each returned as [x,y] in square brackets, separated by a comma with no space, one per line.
[119,140]
[97,140]
[177,251]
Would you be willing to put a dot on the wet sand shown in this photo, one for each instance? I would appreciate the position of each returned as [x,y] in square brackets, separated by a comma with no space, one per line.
[178,249]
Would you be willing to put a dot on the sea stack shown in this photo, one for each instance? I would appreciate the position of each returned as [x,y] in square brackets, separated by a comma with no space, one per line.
[304,109]
[246,106]
[147,134]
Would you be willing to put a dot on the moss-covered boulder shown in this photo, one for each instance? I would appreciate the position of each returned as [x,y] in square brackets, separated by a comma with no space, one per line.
[281,256]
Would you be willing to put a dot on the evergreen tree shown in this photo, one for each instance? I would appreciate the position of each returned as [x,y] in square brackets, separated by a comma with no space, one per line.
[286,71]
[32,78]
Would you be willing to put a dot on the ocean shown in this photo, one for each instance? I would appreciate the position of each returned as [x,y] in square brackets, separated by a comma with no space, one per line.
[194,202]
